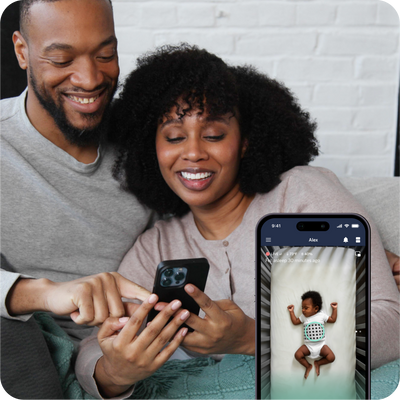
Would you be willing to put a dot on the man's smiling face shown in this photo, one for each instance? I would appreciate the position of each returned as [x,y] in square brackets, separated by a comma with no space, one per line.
[73,64]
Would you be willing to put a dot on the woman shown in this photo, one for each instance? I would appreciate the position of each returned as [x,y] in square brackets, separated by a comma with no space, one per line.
[218,147]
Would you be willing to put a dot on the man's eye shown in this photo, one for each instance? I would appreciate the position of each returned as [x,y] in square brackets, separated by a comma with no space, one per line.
[60,64]
[106,58]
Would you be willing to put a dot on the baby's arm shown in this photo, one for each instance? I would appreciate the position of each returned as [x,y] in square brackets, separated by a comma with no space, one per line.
[295,320]
[333,317]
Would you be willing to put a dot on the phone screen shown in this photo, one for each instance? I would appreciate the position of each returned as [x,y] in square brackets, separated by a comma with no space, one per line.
[316,267]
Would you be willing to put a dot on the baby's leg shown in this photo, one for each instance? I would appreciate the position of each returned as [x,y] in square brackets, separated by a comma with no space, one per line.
[328,357]
[300,356]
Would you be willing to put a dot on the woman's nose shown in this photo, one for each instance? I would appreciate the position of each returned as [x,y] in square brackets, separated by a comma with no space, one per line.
[194,150]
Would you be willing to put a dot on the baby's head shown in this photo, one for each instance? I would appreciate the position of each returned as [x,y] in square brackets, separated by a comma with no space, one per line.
[312,303]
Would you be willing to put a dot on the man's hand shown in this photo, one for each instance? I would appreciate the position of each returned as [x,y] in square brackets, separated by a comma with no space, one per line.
[128,358]
[89,300]
[224,329]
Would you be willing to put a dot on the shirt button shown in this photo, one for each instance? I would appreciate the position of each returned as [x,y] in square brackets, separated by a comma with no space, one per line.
[225,243]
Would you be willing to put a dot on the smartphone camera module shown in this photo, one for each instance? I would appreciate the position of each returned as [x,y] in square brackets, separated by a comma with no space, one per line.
[171,277]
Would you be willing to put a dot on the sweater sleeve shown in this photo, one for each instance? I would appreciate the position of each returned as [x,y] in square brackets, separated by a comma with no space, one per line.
[8,279]
[319,191]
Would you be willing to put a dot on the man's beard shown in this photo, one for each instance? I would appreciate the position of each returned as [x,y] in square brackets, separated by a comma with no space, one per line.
[92,136]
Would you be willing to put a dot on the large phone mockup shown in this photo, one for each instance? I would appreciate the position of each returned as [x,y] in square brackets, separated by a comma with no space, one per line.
[324,253]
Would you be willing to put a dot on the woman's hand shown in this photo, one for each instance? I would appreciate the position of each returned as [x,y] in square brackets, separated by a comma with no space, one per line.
[224,329]
[128,358]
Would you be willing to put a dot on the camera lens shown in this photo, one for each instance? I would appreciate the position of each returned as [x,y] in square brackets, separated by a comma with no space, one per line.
[322,226]
[167,282]
[300,226]
[179,276]
[168,272]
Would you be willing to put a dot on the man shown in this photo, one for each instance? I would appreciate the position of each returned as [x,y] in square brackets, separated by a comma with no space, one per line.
[64,218]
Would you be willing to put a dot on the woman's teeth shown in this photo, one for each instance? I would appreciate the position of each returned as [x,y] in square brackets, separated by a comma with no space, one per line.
[192,177]
[83,100]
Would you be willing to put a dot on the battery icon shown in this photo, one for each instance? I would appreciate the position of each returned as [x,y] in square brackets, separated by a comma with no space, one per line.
[355,225]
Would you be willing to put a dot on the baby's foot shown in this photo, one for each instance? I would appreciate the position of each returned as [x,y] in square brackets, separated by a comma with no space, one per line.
[308,369]
[316,367]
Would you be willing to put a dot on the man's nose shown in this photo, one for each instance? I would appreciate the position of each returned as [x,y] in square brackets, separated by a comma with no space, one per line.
[87,75]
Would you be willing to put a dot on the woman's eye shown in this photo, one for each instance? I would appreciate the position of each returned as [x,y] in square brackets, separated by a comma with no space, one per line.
[174,140]
[214,138]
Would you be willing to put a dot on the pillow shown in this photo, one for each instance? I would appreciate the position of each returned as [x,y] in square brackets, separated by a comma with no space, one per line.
[381,198]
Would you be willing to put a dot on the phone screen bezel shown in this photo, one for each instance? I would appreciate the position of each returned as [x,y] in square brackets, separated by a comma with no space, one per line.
[317,216]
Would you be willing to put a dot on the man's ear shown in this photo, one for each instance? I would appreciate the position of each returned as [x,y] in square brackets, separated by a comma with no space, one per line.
[21,49]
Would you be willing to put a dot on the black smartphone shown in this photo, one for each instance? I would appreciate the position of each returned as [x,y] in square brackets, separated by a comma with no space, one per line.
[316,267]
[171,278]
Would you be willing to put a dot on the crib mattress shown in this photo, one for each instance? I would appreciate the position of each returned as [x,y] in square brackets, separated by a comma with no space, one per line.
[334,277]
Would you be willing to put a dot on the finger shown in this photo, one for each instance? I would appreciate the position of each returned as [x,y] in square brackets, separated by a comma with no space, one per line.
[83,300]
[167,333]
[129,289]
[160,306]
[196,323]
[112,296]
[110,327]
[129,331]
[206,304]
[100,305]
[92,303]
[130,308]
[166,353]
[152,330]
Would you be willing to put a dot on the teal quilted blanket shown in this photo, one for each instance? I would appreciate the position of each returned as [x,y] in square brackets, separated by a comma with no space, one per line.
[201,378]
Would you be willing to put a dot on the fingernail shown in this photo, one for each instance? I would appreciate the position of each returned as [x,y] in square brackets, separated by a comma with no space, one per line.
[124,319]
[152,299]
[190,288]
[185,331]
[176,304]
[185,315]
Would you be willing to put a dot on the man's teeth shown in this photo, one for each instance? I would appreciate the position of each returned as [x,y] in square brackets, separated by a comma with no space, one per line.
[201,175]
[83,100]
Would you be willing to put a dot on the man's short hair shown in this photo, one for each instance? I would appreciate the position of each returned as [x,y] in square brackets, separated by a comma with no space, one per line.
[24,7]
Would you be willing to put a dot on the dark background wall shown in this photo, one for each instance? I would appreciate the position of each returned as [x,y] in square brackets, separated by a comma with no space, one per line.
[13,78]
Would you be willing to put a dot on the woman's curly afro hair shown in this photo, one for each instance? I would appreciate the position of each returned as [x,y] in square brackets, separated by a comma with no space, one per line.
[279,133]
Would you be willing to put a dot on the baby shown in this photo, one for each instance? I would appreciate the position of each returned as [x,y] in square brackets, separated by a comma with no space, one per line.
[313,319]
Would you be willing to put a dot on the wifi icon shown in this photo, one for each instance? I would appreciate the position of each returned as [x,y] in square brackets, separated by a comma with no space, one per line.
[346,225]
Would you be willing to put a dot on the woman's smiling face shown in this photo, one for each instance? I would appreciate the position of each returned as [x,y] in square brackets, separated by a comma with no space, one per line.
[199,156]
